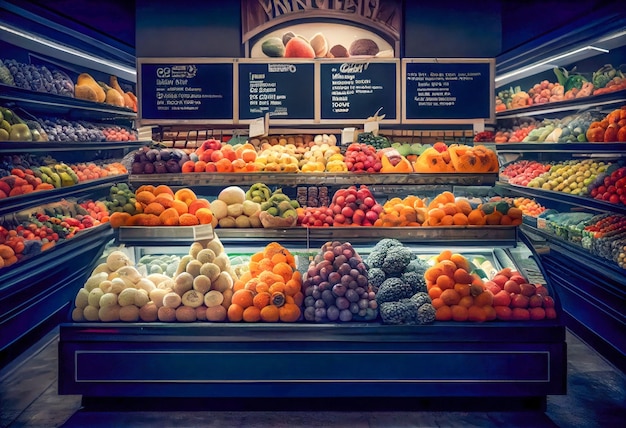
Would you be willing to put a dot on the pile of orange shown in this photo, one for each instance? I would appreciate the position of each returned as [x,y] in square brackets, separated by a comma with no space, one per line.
[161,206]
[455,293]
[270,291]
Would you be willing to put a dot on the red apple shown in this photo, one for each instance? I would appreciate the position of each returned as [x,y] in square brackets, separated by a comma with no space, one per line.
[503,312]
[527,289]
[537,313]
[500,280]
[512,287]
[535,301]
[519,301]
[501,298]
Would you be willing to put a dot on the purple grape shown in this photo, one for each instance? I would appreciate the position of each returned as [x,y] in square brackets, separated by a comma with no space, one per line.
[319,304]
[309,314]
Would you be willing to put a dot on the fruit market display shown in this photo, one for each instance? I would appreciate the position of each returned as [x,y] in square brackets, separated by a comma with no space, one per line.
[270,290]
[397,278]
[336,286]
[523,171]
[376,141]
[610,129]
[516,134]
[514,298]
[354,207]
[361,157]
[54,81]
[456,293]
[157,206]
[571,176]
[605,236]
[30,232]
[528,206]
[13,128]
[610,187]
[153,160]
[456,158]
[200,289]
[35,78]
[570,84]
[24,174]
[407,212]
[232,209]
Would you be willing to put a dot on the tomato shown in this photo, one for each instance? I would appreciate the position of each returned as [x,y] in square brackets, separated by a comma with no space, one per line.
[614,198]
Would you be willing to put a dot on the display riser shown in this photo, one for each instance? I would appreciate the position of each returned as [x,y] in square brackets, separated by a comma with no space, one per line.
[524,359]
[593,303]
[36,294]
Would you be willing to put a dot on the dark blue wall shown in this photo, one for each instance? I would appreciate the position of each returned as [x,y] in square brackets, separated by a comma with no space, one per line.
[188,28]
[452,28]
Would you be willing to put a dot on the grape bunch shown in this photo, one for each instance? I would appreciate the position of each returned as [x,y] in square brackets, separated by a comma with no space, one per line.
[40,78]
[336,287]
[66,131]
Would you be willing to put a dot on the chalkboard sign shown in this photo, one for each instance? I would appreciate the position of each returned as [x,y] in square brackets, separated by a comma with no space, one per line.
[448,91]
[284,90]
[185,91]
[356,90]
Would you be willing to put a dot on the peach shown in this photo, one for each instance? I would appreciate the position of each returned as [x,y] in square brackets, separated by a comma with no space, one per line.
[512,287]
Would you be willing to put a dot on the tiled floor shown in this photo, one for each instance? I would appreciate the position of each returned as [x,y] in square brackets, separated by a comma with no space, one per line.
[28,398]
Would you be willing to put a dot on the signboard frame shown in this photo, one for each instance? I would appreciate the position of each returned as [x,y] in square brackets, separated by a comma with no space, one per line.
[360,121]
[272,119]
[477,122]
[181,61]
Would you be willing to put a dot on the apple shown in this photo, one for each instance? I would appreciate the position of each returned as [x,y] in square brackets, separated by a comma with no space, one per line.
[512,287]
[519,301]
[527,289]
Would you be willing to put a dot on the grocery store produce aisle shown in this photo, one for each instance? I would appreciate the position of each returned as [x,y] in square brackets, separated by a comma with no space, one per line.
[28,398]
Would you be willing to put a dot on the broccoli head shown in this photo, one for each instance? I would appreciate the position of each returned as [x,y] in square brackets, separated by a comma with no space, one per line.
[396,260]
[376,277]
[393,290]
[417,265]
[394,312]
[426,313]
[386,243]
[421,298]
[375,259]
[416,280]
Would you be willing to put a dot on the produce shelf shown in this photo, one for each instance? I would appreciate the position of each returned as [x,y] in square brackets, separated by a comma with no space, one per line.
[66,146]
[18,203]
[567,198]
[592,292]
[275,359]
[39,290]
[503,236]
[586,148]
[51,103]
[594,101]
[163,235]
[327,179]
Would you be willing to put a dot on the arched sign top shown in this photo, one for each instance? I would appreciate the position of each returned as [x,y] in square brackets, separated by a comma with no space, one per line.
[336,24]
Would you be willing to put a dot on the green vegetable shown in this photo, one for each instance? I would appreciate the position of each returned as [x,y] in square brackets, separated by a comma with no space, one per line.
[603,76]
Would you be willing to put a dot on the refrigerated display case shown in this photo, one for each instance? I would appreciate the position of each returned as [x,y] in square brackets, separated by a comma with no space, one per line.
[36,290]
[584,269]
[522,360]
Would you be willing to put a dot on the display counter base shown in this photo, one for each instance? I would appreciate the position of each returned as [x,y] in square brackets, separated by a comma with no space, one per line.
[221,360]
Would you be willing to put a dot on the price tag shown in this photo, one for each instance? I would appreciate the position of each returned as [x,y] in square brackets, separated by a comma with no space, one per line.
[371,127]
[257,127]
[347,136]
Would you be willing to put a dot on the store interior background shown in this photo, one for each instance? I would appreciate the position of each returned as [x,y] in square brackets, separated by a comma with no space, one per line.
[471,28]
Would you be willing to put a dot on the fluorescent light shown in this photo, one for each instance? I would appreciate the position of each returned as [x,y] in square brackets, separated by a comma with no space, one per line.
[68,50]
[587,51]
